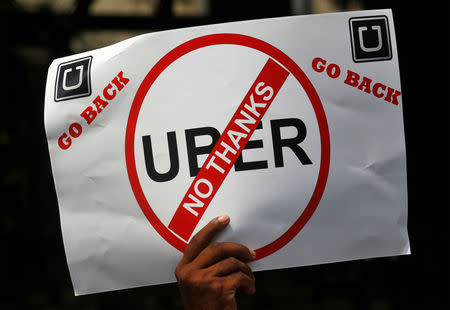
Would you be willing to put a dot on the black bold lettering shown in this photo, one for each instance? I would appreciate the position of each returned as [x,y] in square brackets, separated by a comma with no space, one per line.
[240,165]
[292,143]
[193,150]
[173,155]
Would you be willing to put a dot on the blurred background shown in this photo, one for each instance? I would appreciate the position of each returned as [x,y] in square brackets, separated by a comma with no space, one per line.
[34,272]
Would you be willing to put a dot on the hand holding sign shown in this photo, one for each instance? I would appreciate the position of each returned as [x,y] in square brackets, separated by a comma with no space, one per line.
[209,274]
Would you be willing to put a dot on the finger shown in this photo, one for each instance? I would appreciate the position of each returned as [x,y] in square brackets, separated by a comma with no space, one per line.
[228,266]
[241,280]
[201,239]
[220,250]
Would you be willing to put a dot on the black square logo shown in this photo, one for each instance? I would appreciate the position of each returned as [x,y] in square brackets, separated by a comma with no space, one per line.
[73,79]
[370,38]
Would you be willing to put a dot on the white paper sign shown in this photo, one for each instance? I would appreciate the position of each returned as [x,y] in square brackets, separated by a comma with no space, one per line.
[292,126]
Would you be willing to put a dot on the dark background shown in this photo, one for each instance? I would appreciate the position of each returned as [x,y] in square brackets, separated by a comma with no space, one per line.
[34,273]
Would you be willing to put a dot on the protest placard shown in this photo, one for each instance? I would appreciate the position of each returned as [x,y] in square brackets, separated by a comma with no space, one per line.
[292,126]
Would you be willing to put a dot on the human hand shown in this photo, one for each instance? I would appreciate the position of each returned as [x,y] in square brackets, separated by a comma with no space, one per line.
[209,275]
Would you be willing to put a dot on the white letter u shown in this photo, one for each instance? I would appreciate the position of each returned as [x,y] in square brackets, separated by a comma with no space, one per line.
[361,43]
[80,78]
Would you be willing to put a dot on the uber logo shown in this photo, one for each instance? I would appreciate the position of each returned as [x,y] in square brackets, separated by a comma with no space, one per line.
[73,79]
[370,38]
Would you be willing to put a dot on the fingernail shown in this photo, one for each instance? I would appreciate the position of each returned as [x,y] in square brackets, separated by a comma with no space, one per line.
[253,253]
[223,219]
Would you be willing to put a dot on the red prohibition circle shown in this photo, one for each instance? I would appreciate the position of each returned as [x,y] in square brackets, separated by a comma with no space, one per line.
[293,68]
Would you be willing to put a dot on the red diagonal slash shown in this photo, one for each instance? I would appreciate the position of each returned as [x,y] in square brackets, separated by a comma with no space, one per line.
[227,149]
